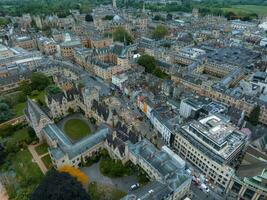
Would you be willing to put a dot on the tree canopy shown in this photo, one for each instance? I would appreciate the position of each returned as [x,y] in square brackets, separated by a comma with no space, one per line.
[59,186]
[159,32]
[76,173]
[5,111]
[53,89]
[122,35]
[254,115]
[149,63]
[39,81]
[89,18]
[25,87]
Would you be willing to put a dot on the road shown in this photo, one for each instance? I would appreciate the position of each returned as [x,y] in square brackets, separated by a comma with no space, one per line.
[199,195]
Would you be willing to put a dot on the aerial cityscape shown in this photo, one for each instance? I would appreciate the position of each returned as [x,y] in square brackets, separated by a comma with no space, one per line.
[133,100]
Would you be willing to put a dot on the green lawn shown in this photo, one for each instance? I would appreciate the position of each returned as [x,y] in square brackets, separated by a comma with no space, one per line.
[27,175]
[104,192]
[247,9]
[76,129]
[41,149]
[18,109]
[39,97]
[47,161]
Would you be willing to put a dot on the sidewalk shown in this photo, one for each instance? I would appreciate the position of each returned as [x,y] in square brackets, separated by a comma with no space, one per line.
[37,158]
[3,194]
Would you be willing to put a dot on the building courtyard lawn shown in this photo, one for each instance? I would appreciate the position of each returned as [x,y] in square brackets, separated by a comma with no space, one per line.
[47,161]
[41,149]
[76,129]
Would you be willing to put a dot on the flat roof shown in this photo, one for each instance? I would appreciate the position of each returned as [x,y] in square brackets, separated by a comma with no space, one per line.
[217,135]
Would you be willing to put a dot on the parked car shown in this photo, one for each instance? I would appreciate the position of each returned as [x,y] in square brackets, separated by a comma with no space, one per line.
[135,186]
[204,188]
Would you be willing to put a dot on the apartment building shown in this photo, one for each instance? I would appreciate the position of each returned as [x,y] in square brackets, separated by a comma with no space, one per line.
[211,145]
[67,48]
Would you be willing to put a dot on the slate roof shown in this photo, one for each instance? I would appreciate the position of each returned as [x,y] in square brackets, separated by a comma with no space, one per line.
[65,146]
[101,109]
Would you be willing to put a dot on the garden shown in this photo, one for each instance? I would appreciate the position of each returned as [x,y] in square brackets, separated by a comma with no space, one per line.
[21,174]
[13,104]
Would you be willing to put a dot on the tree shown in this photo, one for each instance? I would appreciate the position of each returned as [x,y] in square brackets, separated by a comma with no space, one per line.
[148,62]
[169,16]
[2,154]
[254,115]
[159,32]
[89,18]
[39,81]
[58,186]
[53,89]
[76,173]
[5,112]
[121,35]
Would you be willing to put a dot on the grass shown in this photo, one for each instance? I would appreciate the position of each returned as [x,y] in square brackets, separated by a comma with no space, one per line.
[25,168]
[47,161]
[247,9]
[18,109]
[27,175]
[39,97]
[104,192]
[76,129]
[41,149]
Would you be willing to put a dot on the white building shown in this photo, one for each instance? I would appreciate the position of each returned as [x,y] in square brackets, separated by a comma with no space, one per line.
[119,79]
[211,145]
[263,42]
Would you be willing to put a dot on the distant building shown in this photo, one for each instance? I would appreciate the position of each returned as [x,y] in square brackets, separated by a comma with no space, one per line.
[67,48]
[25,42]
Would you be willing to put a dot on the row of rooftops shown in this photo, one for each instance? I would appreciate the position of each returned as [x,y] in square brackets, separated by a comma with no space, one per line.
[169,169]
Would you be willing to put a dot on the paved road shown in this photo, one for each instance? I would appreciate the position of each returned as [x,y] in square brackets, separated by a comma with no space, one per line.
[37,159]
[200,195]
[95,175]
[3,194]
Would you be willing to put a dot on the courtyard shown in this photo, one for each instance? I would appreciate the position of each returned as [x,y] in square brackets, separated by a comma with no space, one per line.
[76,126]
[95,176]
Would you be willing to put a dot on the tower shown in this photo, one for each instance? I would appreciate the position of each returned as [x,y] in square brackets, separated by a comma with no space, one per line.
[114,4]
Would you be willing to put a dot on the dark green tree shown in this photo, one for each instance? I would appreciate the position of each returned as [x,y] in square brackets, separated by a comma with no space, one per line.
[169,16]
[25,87]
[2,154]
[122,35]
[148,62]
[53,89]
[254,115]
[39,81]
[5,112]
[59,186]
[89,18]
[159,32]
